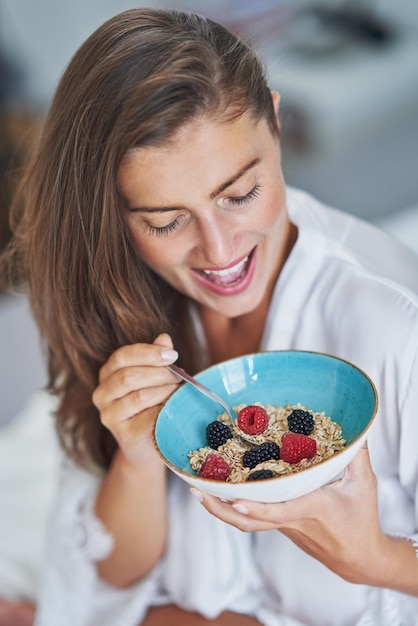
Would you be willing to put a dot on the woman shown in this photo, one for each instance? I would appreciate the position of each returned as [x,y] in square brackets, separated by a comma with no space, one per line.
[158,226]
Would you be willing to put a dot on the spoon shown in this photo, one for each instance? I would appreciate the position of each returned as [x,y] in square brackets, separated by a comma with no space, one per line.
[213,396]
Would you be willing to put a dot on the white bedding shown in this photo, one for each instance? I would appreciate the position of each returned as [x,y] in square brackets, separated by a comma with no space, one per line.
[29,456]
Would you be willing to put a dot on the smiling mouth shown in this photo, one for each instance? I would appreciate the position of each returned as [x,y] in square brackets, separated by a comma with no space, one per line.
[229,276]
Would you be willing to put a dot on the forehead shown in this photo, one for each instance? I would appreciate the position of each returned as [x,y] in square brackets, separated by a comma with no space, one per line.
[203,153]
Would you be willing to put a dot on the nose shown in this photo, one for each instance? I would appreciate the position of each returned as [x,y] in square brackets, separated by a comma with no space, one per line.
[216,240]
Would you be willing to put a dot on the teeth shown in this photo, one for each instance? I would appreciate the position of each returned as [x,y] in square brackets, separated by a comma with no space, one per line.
[231,270]
[227,277]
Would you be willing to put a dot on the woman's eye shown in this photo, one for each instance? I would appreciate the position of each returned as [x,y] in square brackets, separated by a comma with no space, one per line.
[163,230]
[238,200]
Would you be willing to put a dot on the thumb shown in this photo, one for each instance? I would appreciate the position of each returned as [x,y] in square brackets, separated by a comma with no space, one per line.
[163,340]
[360,467]
[168,354]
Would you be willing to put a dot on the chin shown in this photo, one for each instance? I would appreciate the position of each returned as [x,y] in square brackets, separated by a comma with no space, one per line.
[238,309]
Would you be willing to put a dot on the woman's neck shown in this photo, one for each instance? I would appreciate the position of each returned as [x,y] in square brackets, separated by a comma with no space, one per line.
[227,338]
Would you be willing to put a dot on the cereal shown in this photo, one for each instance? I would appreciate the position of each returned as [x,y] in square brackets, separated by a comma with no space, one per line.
[326,433]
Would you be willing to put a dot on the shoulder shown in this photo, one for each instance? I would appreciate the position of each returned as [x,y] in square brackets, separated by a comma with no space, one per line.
[359,246]
[355,288]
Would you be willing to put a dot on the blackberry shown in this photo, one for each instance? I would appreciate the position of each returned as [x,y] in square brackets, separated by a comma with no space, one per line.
[260,475]
[217,433]
[258,454]
[300,421]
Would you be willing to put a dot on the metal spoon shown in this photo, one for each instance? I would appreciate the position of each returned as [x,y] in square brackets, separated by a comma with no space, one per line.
[213,396]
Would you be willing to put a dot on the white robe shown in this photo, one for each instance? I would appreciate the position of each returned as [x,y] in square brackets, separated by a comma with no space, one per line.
[346,289]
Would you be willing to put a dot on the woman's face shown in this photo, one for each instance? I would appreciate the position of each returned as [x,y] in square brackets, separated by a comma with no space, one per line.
[207,212]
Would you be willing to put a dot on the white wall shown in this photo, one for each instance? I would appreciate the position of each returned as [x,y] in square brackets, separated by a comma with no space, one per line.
[42,35]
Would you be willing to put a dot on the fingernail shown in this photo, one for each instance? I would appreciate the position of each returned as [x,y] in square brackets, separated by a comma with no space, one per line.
[240,508]
[197,494]
[169,355]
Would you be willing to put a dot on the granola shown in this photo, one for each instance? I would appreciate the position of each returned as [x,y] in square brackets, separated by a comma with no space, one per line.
[326,433]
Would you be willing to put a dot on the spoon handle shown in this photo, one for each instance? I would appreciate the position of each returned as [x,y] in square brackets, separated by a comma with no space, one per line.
[213,396]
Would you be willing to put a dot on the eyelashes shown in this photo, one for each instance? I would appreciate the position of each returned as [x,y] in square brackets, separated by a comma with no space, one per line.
[160,231]
[163,230]
[239,200]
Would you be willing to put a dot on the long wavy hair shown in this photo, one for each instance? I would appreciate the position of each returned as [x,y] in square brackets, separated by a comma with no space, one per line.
[133,83]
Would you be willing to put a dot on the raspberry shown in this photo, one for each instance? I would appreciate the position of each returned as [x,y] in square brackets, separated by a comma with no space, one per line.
[301,421]
[260,475]
[253,420]
[258,454]
[217,433]
[215,467]
[296,447]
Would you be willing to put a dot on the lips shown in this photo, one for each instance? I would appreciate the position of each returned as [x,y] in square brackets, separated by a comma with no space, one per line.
[227,276]
[228,279]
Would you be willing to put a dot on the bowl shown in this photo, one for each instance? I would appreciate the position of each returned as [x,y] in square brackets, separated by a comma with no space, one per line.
[318,381]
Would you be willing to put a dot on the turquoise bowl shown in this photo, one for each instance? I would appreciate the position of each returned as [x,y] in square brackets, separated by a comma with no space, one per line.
[319,381]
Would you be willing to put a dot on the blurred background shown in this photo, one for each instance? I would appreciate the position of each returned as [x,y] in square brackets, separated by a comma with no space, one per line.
[347,71]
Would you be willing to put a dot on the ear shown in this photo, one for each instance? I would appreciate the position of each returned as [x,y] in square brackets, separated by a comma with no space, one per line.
[275,96]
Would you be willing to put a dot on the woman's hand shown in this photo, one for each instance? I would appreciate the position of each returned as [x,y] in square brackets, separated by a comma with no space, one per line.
[133,384]
[337,524]
[131,501]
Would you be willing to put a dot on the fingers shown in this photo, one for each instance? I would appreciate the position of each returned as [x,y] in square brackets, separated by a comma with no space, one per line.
[128,380]
[157,354]
[231,513]
[164,340]
[130,404]
[134,379]
[133,368]
[248,515]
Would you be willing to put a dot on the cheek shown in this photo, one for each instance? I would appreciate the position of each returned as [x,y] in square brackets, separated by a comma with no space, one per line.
[273,212]
[157,252]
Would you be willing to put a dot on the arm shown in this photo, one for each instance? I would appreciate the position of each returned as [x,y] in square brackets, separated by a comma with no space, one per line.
[131,501]
[131,505]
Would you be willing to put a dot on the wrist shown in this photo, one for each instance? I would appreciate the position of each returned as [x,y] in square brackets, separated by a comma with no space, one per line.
[145,461]
[396,566]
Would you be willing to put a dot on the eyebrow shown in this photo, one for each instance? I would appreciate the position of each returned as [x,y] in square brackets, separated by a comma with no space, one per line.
[232,180]
[213,194]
